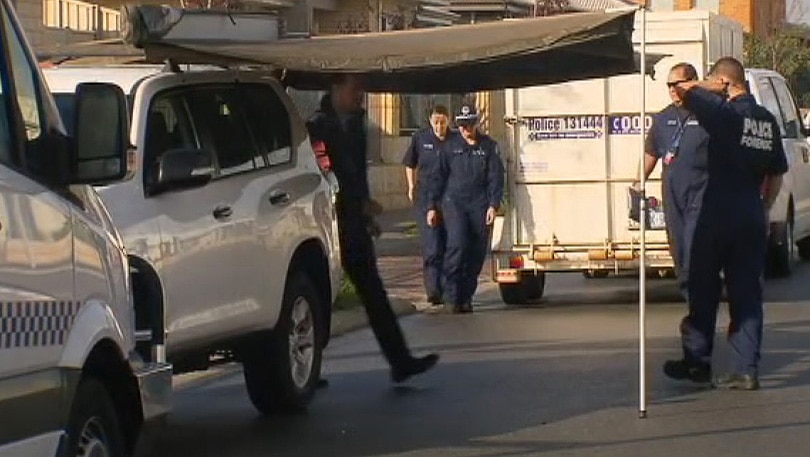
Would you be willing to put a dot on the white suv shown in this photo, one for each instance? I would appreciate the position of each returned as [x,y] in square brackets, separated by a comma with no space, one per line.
[790,213]
[229,223]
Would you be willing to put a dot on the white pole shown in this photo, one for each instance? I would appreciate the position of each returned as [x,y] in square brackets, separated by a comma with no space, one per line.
[642,270]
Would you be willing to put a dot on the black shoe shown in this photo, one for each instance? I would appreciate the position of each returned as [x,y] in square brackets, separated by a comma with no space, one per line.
[322,383]
[685,369]
[413,366]
[465,308]
[435,300]
[734,381]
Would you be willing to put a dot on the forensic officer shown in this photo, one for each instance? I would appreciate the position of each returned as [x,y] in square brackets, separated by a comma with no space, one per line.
[340,125]
[745,152]
[421,161]
[468,190]
[680,143]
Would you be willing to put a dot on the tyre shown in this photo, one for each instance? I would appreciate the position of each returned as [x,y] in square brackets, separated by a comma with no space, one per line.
[780,251]
[804,249]
[535,285]
[282,367]
[93,428]
[514,294]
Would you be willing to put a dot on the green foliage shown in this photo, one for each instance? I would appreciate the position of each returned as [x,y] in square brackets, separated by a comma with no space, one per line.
[786,51]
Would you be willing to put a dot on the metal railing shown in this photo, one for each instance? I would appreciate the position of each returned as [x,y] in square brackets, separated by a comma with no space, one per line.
[79,16]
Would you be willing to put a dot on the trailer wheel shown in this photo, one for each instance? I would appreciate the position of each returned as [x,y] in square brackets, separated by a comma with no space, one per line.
[591,274]
[535,285]
[530,287]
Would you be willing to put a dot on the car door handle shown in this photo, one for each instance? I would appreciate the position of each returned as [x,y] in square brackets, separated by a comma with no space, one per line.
[279,198]
[806,155]
[222,212]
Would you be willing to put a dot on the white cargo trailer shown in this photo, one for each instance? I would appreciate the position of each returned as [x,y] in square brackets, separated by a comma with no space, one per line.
[573,153]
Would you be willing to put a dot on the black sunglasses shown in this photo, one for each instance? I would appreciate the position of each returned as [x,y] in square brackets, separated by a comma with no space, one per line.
[675,83]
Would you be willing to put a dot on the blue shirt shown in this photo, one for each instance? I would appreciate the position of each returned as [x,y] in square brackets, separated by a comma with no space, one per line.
[424,154]
[469,174]
[745,146]
[678,140]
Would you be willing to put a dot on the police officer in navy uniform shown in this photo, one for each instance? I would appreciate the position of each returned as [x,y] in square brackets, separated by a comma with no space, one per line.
[467,190]
[681,144]
[421,163]
[745,151]
[340,125]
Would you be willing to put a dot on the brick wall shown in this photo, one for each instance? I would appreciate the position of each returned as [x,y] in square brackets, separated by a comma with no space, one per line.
[760,17]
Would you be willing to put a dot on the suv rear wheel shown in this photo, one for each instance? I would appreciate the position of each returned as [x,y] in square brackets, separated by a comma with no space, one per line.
[282,367]
[93,428]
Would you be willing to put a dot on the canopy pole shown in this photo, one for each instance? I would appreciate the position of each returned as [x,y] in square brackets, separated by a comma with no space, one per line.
[642,270]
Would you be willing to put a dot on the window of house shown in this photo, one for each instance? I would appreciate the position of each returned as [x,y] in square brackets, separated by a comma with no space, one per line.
[414,109]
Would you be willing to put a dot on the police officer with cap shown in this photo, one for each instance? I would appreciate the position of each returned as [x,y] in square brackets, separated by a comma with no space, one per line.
[421,162]
[468,189]
[681,144]
[745,151]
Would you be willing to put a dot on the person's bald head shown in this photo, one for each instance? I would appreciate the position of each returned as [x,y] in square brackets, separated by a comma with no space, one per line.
[729,70]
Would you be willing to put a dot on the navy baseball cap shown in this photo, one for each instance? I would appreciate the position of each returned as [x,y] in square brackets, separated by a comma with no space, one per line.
[467,115]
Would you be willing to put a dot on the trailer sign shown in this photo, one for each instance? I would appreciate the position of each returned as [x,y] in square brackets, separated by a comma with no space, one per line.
[627,124]
[565,127]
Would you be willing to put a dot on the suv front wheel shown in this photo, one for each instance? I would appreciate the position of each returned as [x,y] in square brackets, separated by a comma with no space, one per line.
[282,367]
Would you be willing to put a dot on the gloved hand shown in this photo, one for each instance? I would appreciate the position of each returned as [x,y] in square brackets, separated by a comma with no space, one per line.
[374,228]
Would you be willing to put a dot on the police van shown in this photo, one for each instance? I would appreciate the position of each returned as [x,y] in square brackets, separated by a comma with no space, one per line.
[71,382]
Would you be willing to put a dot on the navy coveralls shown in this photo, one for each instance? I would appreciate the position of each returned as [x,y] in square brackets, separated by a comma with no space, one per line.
[345,139]
[745,146]
[423,155]
[470,181]
[677,139]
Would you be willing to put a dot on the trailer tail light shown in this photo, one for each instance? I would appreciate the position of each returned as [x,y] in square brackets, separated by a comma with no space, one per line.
[516,262]
[320,155]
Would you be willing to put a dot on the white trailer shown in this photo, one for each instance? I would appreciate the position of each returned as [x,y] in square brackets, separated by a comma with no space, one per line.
[573,154]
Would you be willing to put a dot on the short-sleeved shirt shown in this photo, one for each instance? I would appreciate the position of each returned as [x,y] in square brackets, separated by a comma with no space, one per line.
[423,154]
[678,140]
[745,146]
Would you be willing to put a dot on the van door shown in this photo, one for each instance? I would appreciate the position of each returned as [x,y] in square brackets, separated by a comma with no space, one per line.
[37,304]
[796,145]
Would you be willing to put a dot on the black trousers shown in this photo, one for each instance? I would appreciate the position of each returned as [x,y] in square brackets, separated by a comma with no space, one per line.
[360,264]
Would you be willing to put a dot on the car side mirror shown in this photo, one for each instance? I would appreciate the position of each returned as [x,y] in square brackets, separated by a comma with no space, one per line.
[181,169]
[100,140]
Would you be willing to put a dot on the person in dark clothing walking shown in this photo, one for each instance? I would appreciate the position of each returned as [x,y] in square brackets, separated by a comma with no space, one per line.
[421,164]
[340,125]
[468,190]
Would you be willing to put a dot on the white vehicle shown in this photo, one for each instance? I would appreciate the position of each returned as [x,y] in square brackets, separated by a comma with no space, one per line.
[790,214]
[229,223]
[71,380]
[574,153]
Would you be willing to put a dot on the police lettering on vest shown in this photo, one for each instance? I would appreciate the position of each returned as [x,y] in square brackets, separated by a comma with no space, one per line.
[757,134]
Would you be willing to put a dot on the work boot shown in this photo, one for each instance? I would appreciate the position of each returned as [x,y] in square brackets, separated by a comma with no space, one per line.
[435,300]
[685,369]
[465,308]
[734,381]
[413,366]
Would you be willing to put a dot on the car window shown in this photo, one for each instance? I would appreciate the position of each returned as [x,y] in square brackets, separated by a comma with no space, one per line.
[65,104]
[168,127]
[222,126]
[769,101]
[269,122]
[788,108]
[6,147]
[24,82]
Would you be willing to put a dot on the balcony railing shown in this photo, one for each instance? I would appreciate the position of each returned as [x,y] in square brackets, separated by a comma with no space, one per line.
[80,16]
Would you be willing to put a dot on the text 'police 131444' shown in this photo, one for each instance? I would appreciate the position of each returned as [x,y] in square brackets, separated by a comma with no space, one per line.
[565,127]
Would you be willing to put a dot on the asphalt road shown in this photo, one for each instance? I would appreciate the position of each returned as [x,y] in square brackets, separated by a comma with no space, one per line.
[557,378]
